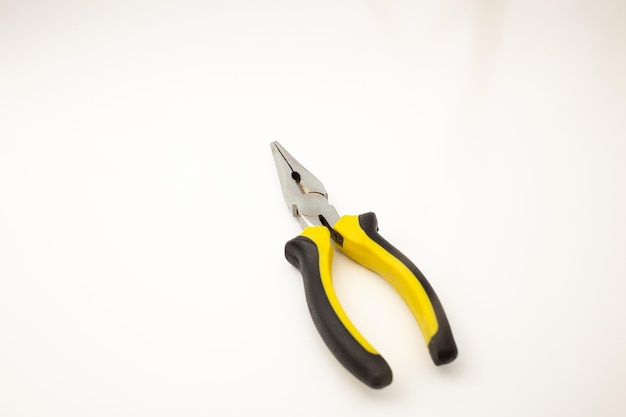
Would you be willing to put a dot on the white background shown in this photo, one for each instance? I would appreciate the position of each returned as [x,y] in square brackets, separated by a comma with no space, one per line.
[142,224]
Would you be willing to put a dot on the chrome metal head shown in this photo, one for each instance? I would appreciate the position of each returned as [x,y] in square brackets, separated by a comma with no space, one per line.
[304,194]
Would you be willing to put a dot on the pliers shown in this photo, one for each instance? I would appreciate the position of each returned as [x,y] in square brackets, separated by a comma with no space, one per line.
[357,237]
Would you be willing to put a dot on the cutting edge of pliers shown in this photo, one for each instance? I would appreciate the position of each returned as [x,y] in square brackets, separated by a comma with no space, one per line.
[357,237]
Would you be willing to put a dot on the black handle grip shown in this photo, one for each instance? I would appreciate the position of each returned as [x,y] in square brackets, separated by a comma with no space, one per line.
[441,346]
[313,255]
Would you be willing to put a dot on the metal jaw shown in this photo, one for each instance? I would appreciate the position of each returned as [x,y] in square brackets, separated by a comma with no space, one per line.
[304,194]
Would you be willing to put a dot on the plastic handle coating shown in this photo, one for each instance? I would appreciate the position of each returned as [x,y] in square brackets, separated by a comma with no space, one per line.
[312,253]
[363,244]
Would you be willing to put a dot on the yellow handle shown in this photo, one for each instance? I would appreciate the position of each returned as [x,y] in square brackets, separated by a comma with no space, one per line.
[362,243]
[321,237]
[312,253]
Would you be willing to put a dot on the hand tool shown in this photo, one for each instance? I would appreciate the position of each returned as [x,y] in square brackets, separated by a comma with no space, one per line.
[357,237]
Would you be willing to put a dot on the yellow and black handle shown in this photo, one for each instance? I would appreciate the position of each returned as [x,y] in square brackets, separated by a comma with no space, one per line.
[312,253]
[363,244]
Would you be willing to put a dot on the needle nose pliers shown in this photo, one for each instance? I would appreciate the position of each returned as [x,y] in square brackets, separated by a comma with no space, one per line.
[357,237]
